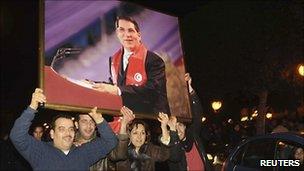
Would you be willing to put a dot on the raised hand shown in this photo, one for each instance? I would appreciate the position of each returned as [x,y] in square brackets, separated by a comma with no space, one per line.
[163,119]
[37,97]
[172,123]
[188,79]
[96,116]
[127,117]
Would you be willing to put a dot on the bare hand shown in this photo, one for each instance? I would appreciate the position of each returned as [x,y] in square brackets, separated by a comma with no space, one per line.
[37,97]
[188,79]
[172,123]
[128,115]
[108,88]
[163,119]
[96,116]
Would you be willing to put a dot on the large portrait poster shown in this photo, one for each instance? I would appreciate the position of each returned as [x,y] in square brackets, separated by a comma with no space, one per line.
[77,38]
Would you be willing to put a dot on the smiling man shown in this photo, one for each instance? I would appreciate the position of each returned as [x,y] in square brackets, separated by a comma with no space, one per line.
[137,74]
[86,129]
[60,154]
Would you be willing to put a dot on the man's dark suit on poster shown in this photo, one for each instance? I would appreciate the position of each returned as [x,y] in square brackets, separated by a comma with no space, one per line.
[151,95]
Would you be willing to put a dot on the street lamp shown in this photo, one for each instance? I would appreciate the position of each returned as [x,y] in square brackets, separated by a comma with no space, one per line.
[216,105]
[269,115]
[204,119]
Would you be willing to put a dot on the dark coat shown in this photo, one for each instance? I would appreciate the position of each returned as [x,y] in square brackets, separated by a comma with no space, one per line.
[106,164]
[177,160]
[151,97]
[148,155]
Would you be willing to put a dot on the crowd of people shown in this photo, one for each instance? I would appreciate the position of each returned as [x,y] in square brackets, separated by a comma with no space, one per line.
[89,143]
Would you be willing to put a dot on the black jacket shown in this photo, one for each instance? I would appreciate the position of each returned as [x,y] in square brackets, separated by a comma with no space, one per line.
[150,98]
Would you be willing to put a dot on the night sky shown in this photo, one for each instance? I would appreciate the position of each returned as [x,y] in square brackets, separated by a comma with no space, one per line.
[229,48]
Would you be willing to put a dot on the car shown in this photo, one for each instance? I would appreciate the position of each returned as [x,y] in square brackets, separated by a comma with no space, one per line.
[271,152]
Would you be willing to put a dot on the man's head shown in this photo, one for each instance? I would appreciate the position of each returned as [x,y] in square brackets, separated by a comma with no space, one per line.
[63,132]
[128,32]
[38,132]
[86,126]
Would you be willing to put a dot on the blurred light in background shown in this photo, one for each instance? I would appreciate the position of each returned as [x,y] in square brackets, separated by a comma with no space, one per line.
[301,69]
[216,105]
[230,121]
[255,114]
[245,118]
[269,115]
[209,156]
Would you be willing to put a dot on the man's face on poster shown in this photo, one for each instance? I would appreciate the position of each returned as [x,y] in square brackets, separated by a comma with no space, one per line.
[127,35]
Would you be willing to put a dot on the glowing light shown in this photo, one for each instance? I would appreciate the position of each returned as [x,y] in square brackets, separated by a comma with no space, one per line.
[73,118]
[230,121]
[216,105]
[203,119]
[245,118]
[301,70]
[255,114]
[269,115]
[209,156]
[45,124]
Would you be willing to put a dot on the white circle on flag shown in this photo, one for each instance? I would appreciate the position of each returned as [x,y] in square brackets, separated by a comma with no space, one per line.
[138,77]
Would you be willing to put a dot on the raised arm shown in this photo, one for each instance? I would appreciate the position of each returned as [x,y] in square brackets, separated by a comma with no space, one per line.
[196,106]
[164,119]
[24,143]
[100,146]
[176,151]
[121,150]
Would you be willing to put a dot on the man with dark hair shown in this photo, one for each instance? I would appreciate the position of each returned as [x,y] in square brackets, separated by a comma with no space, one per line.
[60,154]
[137,74]
[86,133]
[37,131]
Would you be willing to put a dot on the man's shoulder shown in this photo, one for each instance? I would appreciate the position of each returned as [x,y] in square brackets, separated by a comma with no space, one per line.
[151,54]
[153,57]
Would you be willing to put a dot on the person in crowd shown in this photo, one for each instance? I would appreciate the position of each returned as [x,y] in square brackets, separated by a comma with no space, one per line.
[135,151]
[179,145]
[86,133]
[191,151]
[235,135]
[137,74]
[299,155]
[60,154]
[38,132]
